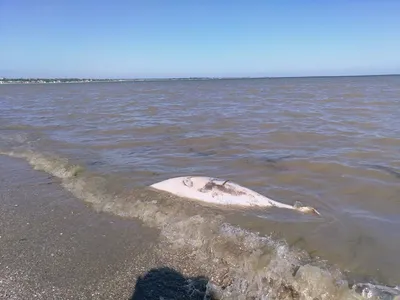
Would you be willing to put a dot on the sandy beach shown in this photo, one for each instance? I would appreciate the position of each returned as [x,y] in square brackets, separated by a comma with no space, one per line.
[55,247]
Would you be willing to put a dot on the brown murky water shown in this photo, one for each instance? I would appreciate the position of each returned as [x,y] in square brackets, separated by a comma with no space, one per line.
[331,143]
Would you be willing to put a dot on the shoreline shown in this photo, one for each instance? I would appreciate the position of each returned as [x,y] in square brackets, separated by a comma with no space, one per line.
[57,80]
[66,82]
[54,246]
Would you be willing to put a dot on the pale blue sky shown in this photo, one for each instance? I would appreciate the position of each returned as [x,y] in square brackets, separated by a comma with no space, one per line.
[87,38]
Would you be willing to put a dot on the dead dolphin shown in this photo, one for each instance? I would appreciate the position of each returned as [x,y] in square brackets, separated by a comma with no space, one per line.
[222,192]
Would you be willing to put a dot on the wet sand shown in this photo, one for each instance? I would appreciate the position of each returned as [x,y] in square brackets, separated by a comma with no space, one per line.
[52,246]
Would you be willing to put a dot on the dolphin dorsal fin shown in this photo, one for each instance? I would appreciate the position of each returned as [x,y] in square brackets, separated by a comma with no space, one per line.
[298,204]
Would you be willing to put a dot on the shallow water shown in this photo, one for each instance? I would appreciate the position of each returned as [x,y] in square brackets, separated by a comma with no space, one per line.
[331,143]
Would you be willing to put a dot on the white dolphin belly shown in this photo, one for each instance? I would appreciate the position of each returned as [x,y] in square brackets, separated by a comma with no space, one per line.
[223,192]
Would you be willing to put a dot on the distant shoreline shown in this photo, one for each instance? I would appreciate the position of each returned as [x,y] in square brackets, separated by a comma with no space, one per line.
[53,80]
[89,80]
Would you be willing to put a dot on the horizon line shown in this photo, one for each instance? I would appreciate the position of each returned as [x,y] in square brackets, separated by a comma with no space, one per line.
[197,77]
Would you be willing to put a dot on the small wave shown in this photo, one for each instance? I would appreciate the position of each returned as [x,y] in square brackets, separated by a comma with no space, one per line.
[58,167]
[388,170]
[17,138]
[242,264]
[16,127]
